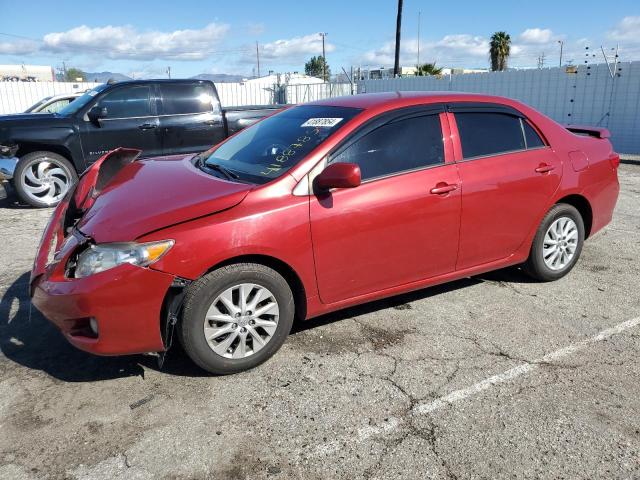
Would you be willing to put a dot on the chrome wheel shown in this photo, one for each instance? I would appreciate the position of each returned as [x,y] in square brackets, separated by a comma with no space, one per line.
[560,243]
[241,321]
[45,181]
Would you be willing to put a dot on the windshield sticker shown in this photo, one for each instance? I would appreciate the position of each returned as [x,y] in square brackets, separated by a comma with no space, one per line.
[321,122]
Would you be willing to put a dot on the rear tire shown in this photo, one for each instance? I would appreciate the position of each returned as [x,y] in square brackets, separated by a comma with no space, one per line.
[557,244]
[42,179]
[223,330]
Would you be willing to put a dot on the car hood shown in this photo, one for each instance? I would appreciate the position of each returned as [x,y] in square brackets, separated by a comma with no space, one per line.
[148,195]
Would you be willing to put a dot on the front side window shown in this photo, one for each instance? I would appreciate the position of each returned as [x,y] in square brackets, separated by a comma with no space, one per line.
[128,102]
[183,98]
[489,133]
[271,147]
[400,145]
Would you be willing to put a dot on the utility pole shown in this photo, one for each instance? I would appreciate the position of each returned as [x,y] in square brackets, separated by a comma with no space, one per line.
[169,72]
[324,59]
[541,61]
[396,65]
[419,14]
[64,71]
[561,42]
[258,58]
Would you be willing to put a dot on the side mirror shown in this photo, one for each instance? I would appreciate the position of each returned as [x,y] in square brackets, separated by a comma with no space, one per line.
[339,175]
[96,113]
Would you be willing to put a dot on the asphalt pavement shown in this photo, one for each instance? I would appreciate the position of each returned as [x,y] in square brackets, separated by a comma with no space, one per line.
[493,376]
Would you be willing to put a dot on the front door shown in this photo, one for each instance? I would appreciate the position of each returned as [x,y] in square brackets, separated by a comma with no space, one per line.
[391,230]
[508,177]
[130,121]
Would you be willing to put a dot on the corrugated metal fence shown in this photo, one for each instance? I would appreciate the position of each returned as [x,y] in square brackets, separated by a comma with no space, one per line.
[590,96]
[18,96]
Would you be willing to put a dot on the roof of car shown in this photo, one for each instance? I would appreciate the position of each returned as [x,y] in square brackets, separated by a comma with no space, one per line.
[389,99]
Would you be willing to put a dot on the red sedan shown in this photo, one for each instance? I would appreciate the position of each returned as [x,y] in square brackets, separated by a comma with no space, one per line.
[316,208]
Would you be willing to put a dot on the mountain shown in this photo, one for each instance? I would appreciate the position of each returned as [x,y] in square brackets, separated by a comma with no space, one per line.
[219,77]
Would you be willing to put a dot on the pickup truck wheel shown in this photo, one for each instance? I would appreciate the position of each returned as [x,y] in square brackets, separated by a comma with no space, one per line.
[42,179]
[557,244]
[236,317]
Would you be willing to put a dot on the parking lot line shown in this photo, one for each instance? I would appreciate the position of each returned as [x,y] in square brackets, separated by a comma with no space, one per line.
[393,423]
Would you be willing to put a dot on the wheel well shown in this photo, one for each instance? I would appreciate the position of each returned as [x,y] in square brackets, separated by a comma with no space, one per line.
[34,147]
[584,207]
[288,273]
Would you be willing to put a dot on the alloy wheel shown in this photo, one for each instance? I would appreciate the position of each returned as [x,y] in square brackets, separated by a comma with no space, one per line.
[241,321]
[560,243]
[45,181]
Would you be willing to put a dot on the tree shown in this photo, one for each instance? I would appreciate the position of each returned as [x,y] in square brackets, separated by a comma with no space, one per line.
[314,67]
[500,48]
[73,74]
[428,69]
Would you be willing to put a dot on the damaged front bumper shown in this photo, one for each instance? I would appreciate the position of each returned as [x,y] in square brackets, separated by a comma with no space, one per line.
[7,167]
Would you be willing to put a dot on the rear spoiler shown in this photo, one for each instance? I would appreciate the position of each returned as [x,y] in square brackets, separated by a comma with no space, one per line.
[585,130]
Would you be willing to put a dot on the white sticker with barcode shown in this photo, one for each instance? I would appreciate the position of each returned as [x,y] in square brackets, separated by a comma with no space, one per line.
[321,122]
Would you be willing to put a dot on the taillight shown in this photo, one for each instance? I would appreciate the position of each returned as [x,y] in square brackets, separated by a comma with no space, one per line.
[615,160]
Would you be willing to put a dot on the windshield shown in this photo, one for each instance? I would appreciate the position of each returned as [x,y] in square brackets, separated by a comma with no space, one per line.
[36,105]
[81,101]
[271,147]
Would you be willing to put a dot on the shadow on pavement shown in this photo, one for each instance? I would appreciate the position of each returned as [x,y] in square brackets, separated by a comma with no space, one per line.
[28,339]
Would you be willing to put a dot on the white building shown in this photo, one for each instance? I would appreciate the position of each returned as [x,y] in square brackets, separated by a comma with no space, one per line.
[27,73]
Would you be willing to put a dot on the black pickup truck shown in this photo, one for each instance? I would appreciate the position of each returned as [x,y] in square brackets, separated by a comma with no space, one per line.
[44,153]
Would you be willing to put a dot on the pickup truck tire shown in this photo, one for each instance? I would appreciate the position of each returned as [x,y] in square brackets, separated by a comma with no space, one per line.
[557,244]
[42,179]
[236,317]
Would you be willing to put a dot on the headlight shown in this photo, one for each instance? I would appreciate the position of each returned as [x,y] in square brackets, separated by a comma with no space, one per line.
[99,258]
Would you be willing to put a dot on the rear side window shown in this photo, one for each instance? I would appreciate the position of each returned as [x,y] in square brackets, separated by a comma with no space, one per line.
[488,133]
[182,98]
[531,136]
[401,145]
[127,102]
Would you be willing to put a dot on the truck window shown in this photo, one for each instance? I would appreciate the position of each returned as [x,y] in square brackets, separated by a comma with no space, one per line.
[183,98]
[128,102]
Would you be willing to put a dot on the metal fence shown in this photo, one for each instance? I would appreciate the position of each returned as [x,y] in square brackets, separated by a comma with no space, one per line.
[18,96]
[590,96]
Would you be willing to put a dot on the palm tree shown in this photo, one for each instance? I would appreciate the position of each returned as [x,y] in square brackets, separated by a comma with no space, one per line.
[499,51]
[428,69]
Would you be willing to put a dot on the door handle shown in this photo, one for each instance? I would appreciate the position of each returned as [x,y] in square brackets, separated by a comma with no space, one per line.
[147,126]
[442,187]
[544,168]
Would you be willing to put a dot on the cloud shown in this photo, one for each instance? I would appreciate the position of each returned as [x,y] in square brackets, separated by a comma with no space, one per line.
[295,48]
[628,29]
[125,42]
[20,47]
[449,50]
[255,28]
[536,36]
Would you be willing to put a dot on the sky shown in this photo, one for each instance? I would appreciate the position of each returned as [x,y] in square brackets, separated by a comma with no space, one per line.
[142,38]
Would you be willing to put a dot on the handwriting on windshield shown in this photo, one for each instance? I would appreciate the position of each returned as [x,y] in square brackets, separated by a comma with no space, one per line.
[289,153]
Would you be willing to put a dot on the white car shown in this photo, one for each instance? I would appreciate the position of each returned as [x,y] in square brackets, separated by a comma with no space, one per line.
[53,104]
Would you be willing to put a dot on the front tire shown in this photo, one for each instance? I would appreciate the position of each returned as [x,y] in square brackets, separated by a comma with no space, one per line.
[42,179]
[557,244]
[236,317]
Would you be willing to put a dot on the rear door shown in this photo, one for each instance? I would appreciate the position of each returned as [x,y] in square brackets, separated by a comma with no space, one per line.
[508,175]
[392,229]
[191,118]
[131,121]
